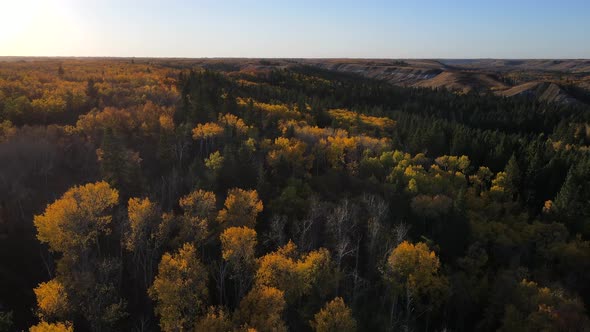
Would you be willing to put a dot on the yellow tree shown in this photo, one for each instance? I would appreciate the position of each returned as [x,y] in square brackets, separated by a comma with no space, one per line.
[215,320]
[75,221]
[294,275]
[199,210]
[73,225]
[241,208]
[52,327]
[52,300]
[207,133]
[233,125]
[144,237]
[237,245]
[335,316]
[290,151]
[413,271]
[180,289]
[453,163]
[262,309]
[278,269]
[199,203]
[500,187]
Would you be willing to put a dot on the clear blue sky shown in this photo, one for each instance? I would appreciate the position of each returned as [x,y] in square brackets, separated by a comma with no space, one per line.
[302,28]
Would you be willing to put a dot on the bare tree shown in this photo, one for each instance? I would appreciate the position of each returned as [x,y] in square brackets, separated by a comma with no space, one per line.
[378,210]
[341,225]
[399,234]
[276,234]
[303,230]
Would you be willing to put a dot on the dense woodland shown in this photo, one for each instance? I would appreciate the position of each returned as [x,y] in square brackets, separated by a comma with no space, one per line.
[145,195]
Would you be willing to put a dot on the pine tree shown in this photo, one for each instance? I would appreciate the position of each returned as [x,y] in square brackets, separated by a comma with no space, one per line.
[513,176]
[566,199]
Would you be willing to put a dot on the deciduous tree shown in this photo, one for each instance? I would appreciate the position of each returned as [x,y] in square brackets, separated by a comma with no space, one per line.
[262,309]
[335,316]
[241,208]
[180,289]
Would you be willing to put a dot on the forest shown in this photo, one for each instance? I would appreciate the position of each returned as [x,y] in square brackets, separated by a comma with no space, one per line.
[174,195]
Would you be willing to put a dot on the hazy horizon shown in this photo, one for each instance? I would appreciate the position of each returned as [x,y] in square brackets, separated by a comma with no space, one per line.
[268,58]
[305,29]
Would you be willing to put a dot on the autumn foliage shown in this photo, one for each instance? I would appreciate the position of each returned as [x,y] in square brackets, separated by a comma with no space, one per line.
[258,195]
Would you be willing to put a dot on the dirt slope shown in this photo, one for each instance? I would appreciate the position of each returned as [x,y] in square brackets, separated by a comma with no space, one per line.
[463,82]
[544,91]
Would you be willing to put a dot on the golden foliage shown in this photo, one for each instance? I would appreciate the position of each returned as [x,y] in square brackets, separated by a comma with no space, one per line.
[415,268]
[290,150]
[294,275]
[241,208]
[207,131]
[180,289]
[52,300]
[199,211]
[238,244]
[335,316]
[199,203]
[280,111]
[143,220]
[233,124]
[262,309]
[148,119]
[52,327]
[75,221]
[346,117]
[215,320]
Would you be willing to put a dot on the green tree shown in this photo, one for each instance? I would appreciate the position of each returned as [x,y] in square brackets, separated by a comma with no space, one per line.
[513,176]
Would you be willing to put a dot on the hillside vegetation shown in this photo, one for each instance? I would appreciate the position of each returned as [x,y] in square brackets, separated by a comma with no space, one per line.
[275,195]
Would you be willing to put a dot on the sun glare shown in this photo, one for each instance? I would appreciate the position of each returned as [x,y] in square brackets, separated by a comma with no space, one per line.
[16,17]
[27,26]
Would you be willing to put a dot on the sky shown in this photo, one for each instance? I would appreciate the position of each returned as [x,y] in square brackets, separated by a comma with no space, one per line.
[297,28]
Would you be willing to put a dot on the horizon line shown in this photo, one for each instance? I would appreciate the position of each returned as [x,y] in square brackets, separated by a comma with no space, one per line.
[274,58]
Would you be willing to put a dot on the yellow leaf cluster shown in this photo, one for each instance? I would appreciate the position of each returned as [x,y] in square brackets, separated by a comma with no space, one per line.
[334,316]
[52,327]
[199,203]
[207,131]
[179,289]
[77,219]
[262,309]
[415,268]
[238,244]
[237,125]
[294,275]
[52,299]
[350,118]
[241,208]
